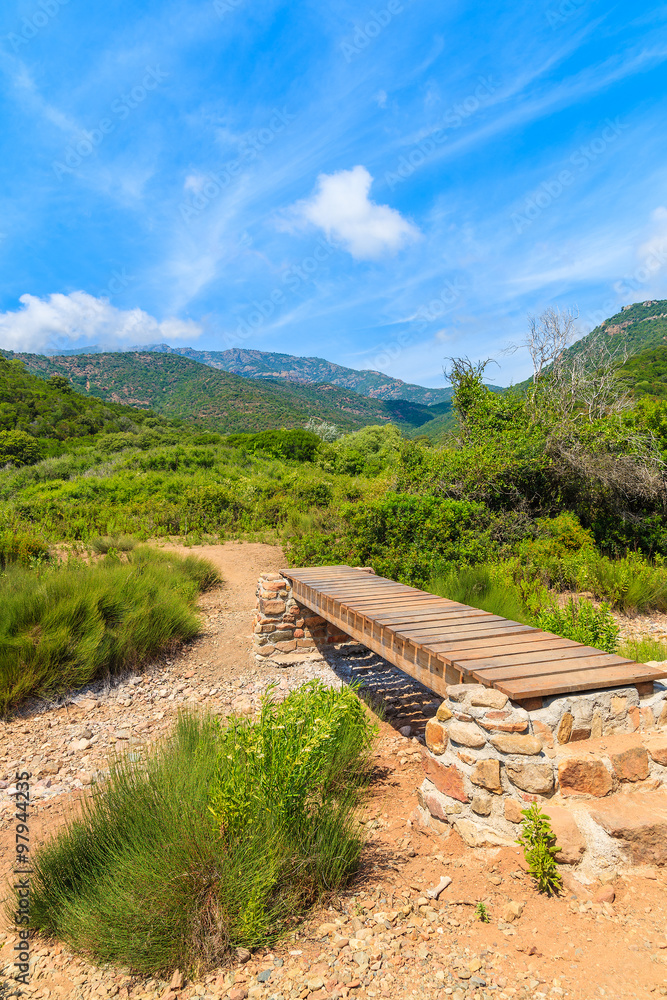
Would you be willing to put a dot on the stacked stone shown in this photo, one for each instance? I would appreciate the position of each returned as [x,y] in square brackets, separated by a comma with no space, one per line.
[487,758]
[282,625]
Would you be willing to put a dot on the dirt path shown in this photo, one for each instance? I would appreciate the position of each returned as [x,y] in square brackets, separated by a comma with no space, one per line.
[387,937]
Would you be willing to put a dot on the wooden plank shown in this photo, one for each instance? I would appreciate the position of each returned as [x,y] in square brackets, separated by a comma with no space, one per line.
[546,668]
[513,645]
[451,632]
[399,618]
[490,647]
[577,680]
[452,621]
[503,659]
[442,647]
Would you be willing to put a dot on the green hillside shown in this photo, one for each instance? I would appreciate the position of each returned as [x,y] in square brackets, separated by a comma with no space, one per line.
[640,325]
[176,386]
[648,372]
[50,409]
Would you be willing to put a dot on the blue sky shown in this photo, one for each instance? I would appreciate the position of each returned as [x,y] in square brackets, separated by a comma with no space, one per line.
[381,186]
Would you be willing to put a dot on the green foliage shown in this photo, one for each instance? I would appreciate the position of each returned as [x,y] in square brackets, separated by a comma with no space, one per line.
[62,626]
[24,549]
[18,448]
[539,848]
[219,838]
[643,650]
[482,913]
[50,409]
[298,445]
[583,622]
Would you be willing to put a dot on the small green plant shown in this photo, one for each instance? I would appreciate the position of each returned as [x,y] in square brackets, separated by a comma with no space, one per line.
[539,847]
[482,913]
[583,622]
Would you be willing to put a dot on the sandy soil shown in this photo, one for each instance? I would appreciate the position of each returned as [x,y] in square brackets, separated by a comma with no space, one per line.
[409,945]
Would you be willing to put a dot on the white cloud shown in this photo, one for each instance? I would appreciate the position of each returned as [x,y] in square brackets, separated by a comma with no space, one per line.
[341,207]
[80,318]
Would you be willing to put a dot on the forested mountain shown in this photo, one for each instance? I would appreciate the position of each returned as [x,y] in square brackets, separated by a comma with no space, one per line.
[176,386]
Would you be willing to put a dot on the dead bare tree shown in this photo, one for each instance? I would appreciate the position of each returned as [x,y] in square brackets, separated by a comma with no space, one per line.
[548,336]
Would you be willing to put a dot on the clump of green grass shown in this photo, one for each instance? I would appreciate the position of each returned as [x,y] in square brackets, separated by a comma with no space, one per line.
[644,649]
[107,543]
[220,838]
[62,626]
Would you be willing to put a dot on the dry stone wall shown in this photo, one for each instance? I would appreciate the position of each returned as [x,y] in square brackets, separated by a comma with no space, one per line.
[486,758]
[282,625]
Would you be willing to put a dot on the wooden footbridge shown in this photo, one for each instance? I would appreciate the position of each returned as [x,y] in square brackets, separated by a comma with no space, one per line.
[441,642]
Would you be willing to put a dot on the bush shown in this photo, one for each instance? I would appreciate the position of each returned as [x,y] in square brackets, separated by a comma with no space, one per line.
[539,847]
[19,448]
[298,445]
[61,627]
[583,623]
[21,548]
[221,837]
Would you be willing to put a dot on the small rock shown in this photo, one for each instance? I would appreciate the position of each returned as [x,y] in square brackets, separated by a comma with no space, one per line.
[176,980]
[467,734]
[604,895]
[243,955]
[406,731]
[512,910]
[264,977]
[122,734]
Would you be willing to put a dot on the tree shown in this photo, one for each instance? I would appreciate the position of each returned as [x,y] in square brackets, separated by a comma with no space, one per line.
[60,383]
[469,390]
[548,336]
[18,448]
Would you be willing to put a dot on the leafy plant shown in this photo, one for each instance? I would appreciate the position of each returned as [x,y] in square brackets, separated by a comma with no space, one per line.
[220,837]
[482,914]
[581,621]
[539,847]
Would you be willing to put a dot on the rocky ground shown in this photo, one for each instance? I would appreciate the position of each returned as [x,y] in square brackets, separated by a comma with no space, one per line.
[389,936]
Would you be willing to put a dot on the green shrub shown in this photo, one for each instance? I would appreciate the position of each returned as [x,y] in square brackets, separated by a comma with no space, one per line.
[21,548]
[285,791]
[298,445]
[18,448]
[644,649]
[61,627]
[583,622]
[219,838]
[539,847]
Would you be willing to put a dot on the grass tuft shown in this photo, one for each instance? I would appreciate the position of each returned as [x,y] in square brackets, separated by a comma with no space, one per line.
[220,838]
[63,626]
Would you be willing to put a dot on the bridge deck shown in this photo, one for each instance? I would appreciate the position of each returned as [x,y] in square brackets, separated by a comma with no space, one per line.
[441,642]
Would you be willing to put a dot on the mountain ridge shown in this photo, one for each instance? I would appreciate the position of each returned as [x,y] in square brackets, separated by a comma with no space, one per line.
[179,387]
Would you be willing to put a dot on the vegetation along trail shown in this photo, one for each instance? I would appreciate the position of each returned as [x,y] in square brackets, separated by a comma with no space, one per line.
[385,936]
